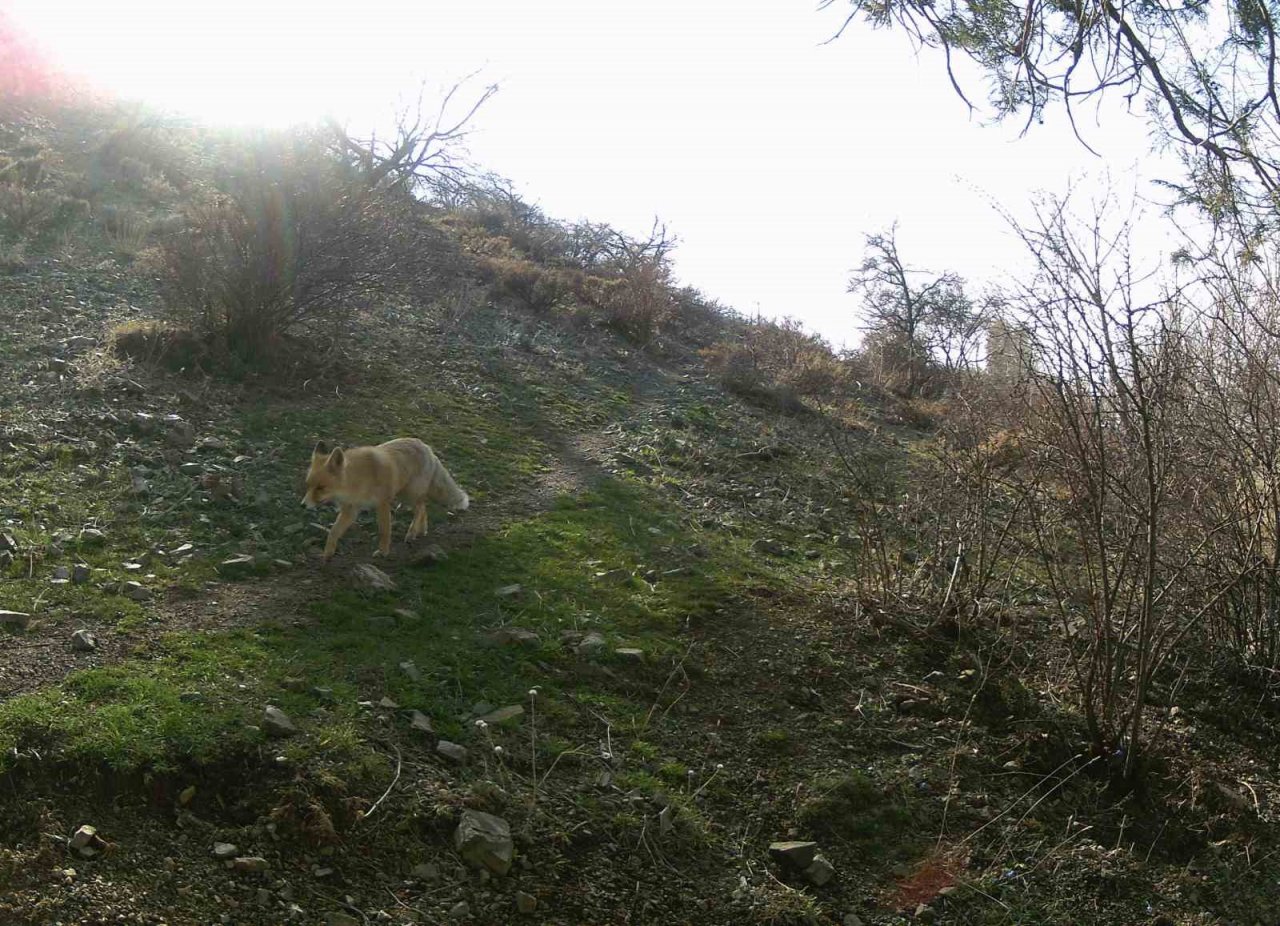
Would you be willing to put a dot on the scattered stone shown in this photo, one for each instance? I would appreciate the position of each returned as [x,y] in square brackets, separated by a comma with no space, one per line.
[509,591]
[629,654]
[388,704]
[614,575]
[224,851]
[80,574]
[7,543]
[411,671]
[191,469]
[485,841]
[592,644]
[798,855]
[425,871]
[136,591]
[504,716]
[373,578]
[250,864]
[91,536]
[185,549]
[16,619]
[237,565]
[769,546]
[61,575]
[452,751]
[460,911]
[277,723]
[340,919]
[665,821]
[526,903]
[83,641]
[322,694]
[820,872]
[87,842]
[186,795]
[515,636]
[925,913]
[191,697]
[420,721]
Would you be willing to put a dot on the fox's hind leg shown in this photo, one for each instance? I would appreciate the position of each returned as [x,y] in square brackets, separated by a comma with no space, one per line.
[419,525]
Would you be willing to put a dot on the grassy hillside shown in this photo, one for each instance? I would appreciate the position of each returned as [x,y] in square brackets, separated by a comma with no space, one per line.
[703,618]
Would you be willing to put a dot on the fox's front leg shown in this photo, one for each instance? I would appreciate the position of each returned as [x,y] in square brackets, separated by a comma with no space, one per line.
[384,529]
[346,517]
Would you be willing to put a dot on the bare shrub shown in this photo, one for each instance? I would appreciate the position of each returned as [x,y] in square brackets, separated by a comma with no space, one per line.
[292,237]
[30,213]
[636,304]
[125,230]
[1234,503]
[160,343]
[778,361]
[1111,395]
[530,285]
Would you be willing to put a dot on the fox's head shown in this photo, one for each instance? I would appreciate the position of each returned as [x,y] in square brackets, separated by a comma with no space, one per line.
[324,476]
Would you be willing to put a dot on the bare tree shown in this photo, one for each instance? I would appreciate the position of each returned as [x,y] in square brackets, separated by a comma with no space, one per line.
[927,319]
[426,147]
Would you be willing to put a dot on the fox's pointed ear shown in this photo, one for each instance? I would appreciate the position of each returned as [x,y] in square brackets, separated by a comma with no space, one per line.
[336,459]
[321,449]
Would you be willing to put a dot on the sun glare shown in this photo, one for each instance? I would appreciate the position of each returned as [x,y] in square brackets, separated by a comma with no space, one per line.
[729,120]
[229,61]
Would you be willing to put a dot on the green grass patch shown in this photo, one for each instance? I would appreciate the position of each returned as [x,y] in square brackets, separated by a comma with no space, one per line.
[199,694]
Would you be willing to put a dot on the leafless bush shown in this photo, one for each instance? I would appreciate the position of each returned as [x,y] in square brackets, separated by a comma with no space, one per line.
[126,230]
[27,212]
[636,304]
[766,358]
[528,284]
[294,235]
[1236,431]
[1112,393]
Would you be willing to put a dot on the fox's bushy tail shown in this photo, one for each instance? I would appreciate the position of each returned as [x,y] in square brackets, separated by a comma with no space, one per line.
[447,491]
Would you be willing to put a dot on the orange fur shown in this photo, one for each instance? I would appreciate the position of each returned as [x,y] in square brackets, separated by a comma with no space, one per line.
[374,477]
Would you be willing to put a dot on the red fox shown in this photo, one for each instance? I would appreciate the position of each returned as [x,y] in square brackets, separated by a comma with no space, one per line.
[372,477]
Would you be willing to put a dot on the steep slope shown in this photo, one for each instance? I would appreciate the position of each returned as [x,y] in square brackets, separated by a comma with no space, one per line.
[660,599]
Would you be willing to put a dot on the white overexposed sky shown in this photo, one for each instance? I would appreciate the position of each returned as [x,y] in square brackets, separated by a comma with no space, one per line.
[769,154]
